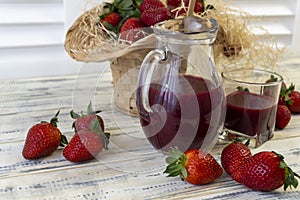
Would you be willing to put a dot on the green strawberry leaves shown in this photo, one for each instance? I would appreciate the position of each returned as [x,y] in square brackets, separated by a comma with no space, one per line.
[54,120]
[290,176]
[285,94]
[63,141]
[127,8]
[240,88]
[89,111]
[290,179]
[96,128]
[176,163]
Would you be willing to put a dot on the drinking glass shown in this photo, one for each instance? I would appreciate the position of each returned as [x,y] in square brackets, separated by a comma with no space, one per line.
[251,104]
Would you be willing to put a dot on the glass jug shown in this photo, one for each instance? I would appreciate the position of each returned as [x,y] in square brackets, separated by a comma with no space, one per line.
[180,98]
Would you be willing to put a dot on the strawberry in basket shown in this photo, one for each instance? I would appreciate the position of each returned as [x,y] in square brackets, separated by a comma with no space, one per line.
[129,19]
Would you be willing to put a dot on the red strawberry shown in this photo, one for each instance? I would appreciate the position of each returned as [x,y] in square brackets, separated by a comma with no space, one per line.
[283,116]
[173,3]
[153,16]
[295,102]
[110,20]
[275,79]
[84,120]
[131,23]
[284,98]
[151,4]
[199,8]
[130,30]
[266,171]
[86,144]
[43,139]
[234,155]
[194,166]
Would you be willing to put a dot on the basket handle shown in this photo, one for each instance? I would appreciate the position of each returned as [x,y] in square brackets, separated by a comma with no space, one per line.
[147,69]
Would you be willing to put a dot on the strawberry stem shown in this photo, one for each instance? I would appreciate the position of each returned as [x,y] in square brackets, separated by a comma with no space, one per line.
[240,88]
[290,176]
[54,120]
[176,161]
[74,115]
[89,111]
[63,141]
[96,128]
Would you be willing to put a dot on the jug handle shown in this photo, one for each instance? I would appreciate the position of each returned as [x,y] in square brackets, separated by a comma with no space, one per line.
[146,72]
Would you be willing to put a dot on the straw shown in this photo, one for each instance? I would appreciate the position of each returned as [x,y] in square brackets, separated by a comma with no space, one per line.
[190,11]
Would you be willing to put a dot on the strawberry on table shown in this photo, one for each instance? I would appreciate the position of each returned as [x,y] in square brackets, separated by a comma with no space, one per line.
[43,139]
[283,116]
[285,92]
[294,106]
[234,155]
[266,171]
[83,120]
[194,166]
[275,79]
[86,144]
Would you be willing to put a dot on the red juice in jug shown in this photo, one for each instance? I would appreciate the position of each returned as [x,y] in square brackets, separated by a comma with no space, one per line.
[181,112]
[250,113]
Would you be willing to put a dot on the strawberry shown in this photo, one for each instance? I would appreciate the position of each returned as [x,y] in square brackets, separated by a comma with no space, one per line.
[130,30]
[111,20]
[151,4]
[271,90]
[275,79]
[266,171]
[131,23]
[194,166]
[283,116]
[83,121]
[153,16]
[199,8]
[234,155]
[86,144]
[43,139]
[173,3]
[285,92]
[294,106]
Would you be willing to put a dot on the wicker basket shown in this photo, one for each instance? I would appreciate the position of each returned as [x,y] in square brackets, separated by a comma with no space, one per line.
[125,70]
[86,42]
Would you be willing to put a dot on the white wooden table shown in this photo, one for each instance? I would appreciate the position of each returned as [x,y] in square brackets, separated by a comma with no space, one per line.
[130,169]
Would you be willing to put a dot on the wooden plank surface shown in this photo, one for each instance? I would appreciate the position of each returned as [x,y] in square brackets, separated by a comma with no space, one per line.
[130,169]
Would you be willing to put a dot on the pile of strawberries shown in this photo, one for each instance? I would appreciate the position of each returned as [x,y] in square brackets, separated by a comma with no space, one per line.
[288,104]
[88,141]
[264,171]
[125,17]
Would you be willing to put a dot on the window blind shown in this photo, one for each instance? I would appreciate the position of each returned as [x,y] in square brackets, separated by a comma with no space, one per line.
[279,18]
[32,32]
[31,39]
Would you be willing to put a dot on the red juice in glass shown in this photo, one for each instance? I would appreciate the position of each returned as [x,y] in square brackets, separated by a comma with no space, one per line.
[250,114]
[181,114]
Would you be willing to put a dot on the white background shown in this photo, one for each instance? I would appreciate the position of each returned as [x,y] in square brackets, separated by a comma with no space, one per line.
[32,32]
